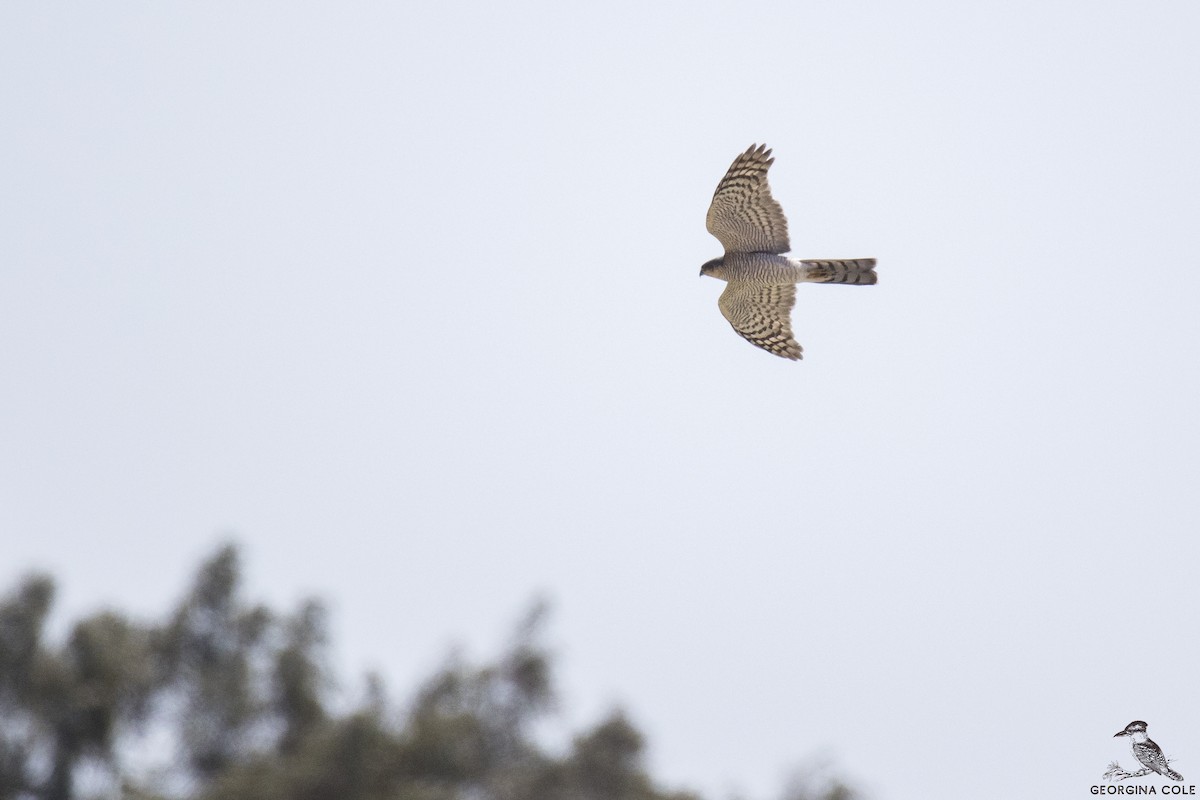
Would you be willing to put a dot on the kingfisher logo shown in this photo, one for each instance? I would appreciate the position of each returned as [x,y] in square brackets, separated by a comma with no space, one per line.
[1151,761]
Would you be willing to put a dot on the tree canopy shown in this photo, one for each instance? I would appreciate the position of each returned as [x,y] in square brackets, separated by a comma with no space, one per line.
[223,699]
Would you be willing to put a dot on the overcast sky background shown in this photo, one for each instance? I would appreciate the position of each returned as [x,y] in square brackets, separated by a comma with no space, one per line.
[404,297]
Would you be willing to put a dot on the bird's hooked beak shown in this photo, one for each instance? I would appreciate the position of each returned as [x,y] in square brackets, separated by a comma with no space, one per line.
[1122,733]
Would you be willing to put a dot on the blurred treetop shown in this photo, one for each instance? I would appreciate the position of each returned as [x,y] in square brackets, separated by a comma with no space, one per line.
[232,701]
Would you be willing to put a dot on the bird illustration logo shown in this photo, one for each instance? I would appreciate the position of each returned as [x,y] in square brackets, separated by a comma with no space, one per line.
[1146,751]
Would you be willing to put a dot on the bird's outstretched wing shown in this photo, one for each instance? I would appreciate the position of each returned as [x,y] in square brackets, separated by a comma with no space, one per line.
[743,215]
[762,316]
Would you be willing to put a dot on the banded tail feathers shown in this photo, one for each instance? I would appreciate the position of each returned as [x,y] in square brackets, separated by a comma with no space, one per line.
[853,271]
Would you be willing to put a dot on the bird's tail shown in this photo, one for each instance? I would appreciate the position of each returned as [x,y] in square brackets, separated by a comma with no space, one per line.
[1172,774]
[855,271]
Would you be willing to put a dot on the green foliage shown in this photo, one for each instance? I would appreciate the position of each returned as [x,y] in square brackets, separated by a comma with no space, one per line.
[209,649]
[816,780]
[242,692]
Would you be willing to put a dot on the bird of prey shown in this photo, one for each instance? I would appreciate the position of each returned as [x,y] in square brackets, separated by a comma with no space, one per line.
[1146,751]
[761,288]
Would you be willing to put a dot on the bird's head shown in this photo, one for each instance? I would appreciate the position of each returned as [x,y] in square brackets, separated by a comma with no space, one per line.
[711,267]
[1137,726]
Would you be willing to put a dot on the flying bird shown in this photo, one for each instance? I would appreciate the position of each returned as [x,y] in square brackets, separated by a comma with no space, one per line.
[761,288]
[1146,751]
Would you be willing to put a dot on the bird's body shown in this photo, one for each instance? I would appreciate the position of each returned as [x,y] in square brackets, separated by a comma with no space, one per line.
[751,226]
[1146,751]
[772,268]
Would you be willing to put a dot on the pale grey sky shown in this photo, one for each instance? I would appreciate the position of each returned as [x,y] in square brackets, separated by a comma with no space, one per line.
[404,296]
